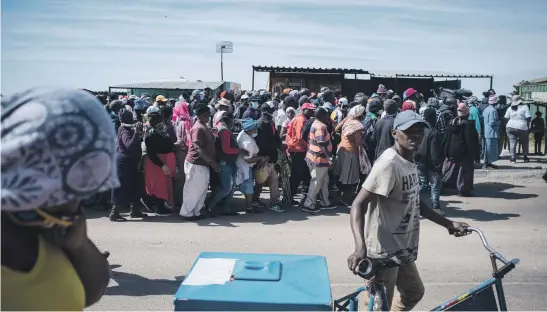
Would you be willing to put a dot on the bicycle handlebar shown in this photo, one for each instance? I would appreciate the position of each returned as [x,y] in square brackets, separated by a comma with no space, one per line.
[367,267]
[490,249]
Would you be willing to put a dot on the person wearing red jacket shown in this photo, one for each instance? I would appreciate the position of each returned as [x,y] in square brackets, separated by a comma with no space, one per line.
[297,147]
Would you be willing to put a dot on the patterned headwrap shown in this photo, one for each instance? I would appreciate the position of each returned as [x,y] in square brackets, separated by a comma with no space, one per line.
[57,146]
[356,111]
[249,124]
[473,100]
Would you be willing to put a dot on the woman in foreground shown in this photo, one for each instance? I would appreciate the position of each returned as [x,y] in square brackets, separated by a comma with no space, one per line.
[58,147]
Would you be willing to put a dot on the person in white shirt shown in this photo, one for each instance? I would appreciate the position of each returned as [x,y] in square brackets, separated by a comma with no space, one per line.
[518,116]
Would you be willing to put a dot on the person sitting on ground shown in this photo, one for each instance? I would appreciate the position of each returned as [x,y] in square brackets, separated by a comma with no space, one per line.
[58,147]
[385,215]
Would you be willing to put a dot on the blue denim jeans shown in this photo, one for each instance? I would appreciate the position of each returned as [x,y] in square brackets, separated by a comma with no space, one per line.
[225,187]
[431,179]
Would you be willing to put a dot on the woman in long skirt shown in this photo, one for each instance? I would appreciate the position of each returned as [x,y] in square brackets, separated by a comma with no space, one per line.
[159,163]
[128,145]
[347,166]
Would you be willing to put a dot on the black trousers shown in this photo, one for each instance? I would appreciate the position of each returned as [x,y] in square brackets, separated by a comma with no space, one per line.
[299,171]
[538,137]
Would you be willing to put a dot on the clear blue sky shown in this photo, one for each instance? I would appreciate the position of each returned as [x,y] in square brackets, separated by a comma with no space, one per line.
[96,43]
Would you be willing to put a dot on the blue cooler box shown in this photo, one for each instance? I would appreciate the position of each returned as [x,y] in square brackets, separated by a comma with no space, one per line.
[259,282]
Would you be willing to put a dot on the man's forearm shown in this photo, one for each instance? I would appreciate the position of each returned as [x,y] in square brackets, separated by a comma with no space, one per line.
[93,270]
[433,216]
[357,218]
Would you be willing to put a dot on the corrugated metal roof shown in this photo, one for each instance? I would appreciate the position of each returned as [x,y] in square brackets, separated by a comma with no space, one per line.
[309,70]
[442,76]
[539,80]
[182,85]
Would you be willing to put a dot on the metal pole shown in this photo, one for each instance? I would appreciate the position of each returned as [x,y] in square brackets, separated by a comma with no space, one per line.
[221,65]
[253,79]
[491,81]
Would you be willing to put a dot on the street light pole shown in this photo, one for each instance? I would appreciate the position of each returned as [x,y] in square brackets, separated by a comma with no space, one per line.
[224,47]
[221,63]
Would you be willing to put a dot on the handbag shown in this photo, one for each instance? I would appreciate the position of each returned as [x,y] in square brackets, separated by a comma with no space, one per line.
[364,162]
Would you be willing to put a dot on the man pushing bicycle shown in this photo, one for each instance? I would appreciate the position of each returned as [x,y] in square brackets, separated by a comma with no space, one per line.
[385,215]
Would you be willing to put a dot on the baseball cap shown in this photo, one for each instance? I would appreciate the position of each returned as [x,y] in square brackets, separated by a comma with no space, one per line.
[407,119]
[161,98]
[410,92]
[307,106]
[343,101]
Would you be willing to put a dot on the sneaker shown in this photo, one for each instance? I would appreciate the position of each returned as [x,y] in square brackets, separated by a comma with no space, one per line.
[163,212]
[513,161]
[255,211]
[439,211]
[258,204]
[277,208]
[327,207]
[526,160]
[146,206]
[310,210]
[116,217]
[138,214]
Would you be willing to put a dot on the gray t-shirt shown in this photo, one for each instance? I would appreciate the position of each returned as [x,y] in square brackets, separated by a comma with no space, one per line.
[392,221]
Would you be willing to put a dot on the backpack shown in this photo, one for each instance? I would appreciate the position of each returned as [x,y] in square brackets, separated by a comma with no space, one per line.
[307,129]
[454,142]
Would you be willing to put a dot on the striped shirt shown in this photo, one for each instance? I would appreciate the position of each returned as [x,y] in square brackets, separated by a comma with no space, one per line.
[319,139]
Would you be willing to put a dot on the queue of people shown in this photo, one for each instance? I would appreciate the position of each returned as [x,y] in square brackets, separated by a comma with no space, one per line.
[310,149]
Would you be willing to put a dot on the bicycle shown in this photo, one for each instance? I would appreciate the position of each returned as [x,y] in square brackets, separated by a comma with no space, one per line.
[478,298]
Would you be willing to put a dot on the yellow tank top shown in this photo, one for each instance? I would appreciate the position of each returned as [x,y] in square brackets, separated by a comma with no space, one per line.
[52,284]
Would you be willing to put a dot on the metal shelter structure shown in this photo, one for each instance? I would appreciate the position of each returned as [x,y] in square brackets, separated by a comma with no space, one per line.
[307,70]
[491,77]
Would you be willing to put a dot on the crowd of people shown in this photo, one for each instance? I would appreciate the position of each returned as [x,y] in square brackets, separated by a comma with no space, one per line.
[378,152]
[311,149]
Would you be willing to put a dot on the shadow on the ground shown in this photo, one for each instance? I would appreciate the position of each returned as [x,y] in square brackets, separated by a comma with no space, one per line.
[130,284]
[493,190]
[474,214]
[292,213]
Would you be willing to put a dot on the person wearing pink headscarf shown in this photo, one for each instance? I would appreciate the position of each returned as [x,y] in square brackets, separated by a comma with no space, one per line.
[462,150]
[183,123]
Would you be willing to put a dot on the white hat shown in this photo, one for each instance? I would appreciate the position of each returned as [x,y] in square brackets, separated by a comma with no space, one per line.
[343,101]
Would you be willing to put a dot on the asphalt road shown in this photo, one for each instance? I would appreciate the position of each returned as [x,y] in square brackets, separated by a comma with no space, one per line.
[150,258]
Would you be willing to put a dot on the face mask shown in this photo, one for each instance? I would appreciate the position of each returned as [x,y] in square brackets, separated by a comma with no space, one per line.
[254,134]
[254,105]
